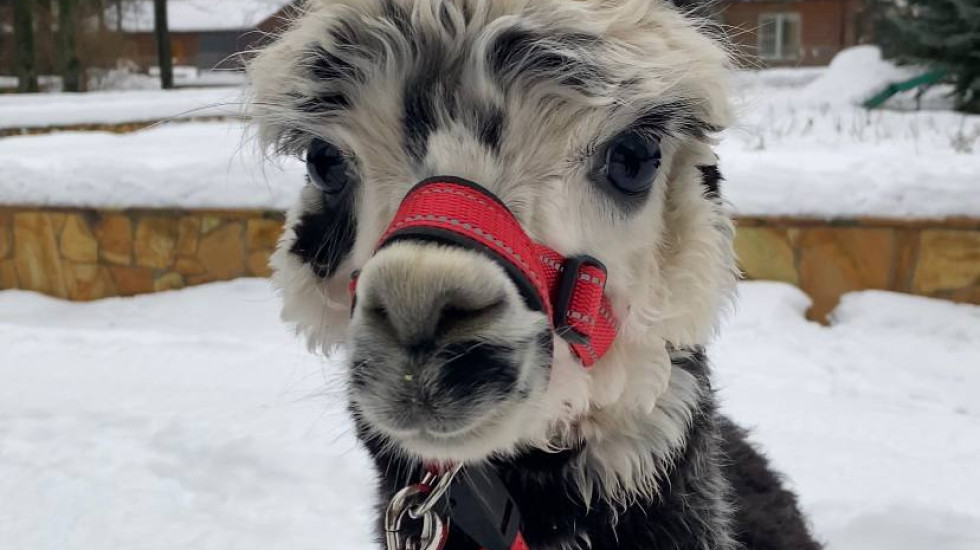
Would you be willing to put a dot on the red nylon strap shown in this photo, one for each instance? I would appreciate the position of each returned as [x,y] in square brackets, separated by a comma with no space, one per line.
[519,543]
[457,211]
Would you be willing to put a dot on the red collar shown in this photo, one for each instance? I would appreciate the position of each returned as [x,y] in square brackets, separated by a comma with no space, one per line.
[570,290]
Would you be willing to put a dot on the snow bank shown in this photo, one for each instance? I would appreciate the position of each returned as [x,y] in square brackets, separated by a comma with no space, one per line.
[193,419]
[182,420]
[184,76]
[853,164]
[874,418]
[181,165]
[788,155]
[779,77]
[64,109]
[805,149]
[854,75]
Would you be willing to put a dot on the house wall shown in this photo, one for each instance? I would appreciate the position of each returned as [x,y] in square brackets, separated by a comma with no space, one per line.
[142,48]
[827,26]
[205,50]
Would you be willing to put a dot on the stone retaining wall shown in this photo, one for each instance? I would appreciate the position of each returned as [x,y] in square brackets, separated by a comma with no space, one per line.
[111,127]
[86,254]
[937,258]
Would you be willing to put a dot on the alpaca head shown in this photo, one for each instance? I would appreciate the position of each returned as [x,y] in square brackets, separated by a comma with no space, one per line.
[590,120]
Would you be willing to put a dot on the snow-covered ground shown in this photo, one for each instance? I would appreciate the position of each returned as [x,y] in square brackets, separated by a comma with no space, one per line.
[804,146]
[194,420]
[195,165]
[801,147]
[66,109]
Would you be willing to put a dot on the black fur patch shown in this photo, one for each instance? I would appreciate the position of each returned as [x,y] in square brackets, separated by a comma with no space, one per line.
[325,238]
[334,74]
[327,66]
[520,53]
[711,179]
[475,368]
[767,514]
[432,93]
[490,127]
[420,94]
[324,103]
[675,118]
[398,16]
[689,512]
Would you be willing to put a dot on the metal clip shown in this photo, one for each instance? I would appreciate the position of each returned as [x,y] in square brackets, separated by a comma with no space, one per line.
[417,502]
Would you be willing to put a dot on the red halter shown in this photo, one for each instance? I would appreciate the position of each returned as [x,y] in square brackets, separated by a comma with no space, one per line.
[571,291]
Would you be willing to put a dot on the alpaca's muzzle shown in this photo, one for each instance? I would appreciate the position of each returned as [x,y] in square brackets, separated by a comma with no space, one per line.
[569,290]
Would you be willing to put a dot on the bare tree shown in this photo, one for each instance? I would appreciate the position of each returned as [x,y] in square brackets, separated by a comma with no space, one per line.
[25,60]
[67,46]
[163,44]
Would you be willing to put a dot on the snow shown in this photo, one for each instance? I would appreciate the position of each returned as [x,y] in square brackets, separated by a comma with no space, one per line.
[193,419]
[801,147]
[874,418]
[179,165]
[65,109]
[185,76]
[198,15]
[856,74]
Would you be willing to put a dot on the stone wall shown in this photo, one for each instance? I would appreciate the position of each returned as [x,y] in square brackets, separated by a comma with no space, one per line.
[933,258]
[85,254]
[111,127]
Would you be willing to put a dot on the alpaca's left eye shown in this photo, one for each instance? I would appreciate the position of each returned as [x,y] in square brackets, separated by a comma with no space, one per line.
[632,161]
[327,167]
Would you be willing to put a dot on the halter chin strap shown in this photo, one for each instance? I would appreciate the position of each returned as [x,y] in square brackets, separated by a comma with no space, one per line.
[571,291]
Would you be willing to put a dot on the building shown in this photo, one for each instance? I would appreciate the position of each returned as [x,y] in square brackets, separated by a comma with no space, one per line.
[205,34]
[780,33]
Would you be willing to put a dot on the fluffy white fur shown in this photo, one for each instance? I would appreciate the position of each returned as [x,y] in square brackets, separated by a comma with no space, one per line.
[670,262]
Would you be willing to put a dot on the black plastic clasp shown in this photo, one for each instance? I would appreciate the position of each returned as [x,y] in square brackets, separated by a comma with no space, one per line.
[482,508]
[567,283]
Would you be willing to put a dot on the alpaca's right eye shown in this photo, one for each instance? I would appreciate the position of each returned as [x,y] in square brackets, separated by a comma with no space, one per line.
[632,162]
[327,167]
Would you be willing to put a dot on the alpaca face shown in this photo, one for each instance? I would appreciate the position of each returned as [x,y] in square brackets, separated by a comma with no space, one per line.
[588,119]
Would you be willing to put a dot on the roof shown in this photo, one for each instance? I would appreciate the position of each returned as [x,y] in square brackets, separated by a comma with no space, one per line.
[199,15]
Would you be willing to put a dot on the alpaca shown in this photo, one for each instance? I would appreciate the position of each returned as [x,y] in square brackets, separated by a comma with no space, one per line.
[584,129]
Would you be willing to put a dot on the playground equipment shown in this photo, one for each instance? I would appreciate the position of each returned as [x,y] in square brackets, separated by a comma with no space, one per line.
[923,81]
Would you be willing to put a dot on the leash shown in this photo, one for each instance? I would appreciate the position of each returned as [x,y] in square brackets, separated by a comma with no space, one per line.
[569,290]
[418,517]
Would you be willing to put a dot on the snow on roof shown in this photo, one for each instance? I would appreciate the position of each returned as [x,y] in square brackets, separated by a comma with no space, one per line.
[199,15]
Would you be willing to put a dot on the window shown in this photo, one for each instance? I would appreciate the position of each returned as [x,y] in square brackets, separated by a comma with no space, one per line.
[779,35]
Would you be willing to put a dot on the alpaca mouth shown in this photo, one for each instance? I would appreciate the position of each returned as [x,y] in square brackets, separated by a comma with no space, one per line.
[476,440]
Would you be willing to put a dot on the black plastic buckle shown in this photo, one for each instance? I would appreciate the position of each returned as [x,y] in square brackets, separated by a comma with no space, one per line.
[567,283]
[481,507]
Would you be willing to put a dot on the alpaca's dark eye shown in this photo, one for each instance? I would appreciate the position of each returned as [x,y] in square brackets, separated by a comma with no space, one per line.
[327,167]
[632,161]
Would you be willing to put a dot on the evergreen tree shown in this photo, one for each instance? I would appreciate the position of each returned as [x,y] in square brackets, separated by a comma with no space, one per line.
[939,34]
